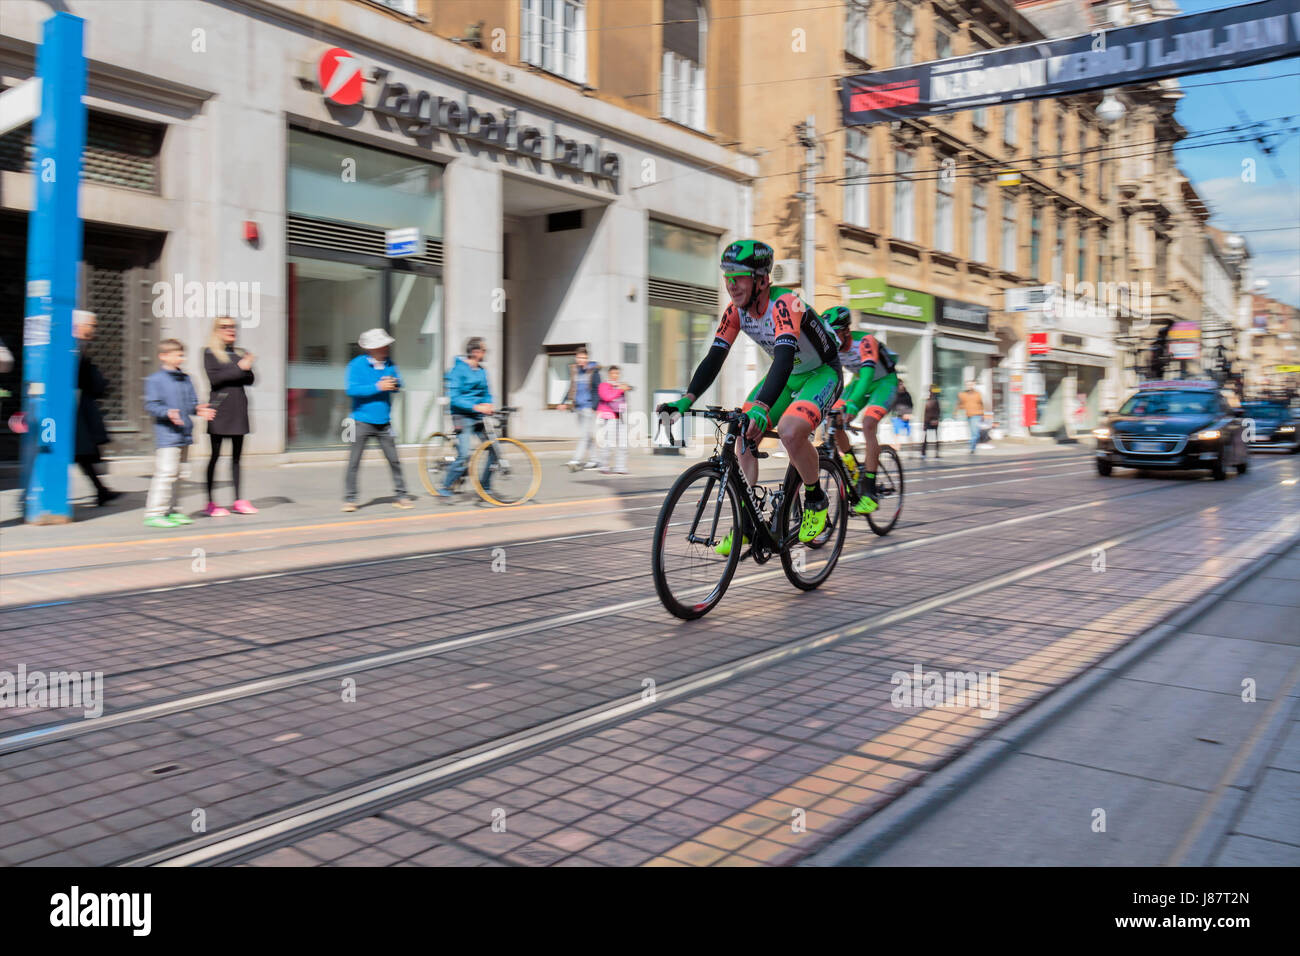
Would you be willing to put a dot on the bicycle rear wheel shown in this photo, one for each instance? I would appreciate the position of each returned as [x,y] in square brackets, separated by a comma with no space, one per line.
[436,455]
[889,492]
[690,576]
[505,471]
[809,565]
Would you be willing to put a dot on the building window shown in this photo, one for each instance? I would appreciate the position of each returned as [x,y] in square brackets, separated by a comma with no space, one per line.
[553,36]
[1008,234]
[904,199]
[1083,152]
[1035,237]
[1009,124]
[904,33]
[856,185]
[401,6]
[1103,144]
[682,82]
[942,41]
[979,116]
[1079,264]
[1058,251]
[1035,118]
[855,28]
[1103,251]
[979,227]
[943,230]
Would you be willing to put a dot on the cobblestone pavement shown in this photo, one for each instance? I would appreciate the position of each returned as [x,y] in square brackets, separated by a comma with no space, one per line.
[518,696]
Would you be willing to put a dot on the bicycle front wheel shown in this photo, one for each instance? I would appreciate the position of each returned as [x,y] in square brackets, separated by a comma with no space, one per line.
[505,471]
[697,516]
[809,565]
[889,492]
[436,456]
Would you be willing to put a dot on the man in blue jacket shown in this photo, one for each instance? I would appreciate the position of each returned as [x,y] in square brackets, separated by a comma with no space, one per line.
[470,398]
[372,380]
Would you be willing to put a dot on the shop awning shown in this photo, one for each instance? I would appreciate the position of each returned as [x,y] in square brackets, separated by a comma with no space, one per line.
[980,345]
[1077,358]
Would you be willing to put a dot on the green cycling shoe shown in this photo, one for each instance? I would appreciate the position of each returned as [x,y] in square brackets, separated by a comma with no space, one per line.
[865,505]
[813,523]
[724,548]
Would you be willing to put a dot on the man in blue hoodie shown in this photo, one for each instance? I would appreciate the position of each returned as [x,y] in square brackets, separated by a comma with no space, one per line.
[470,398]
[372,380]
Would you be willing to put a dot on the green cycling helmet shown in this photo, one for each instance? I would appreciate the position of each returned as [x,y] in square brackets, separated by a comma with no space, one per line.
[839,318]
[748,257]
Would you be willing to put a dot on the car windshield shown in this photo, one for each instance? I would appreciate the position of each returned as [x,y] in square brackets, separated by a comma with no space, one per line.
[1169,403]
[1254,410]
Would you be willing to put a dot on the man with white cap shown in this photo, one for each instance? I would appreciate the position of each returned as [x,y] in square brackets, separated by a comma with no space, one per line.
[372,380]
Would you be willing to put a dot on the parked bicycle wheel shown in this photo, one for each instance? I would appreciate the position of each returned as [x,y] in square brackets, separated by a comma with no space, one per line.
[436,456]
[505,471]
[808,565]
[889,492]
[690,576]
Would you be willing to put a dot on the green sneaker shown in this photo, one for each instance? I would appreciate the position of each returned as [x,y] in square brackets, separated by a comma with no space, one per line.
[865,505]
[814,521]
[724,549]
[162,521]
[177,518]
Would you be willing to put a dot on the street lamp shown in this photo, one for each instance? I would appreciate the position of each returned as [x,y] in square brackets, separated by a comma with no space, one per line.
[1110,110]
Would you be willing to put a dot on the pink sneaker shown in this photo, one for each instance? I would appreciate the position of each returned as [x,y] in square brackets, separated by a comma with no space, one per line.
[242,507]
[215,510]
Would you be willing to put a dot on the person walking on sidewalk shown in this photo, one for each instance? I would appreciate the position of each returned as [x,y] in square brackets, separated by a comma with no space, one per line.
[372,378]
[972,404]
[91,431]
[229,369]
[170,400]
[470,398]
[901,415]
[930,420]
[583,397]
[613,421]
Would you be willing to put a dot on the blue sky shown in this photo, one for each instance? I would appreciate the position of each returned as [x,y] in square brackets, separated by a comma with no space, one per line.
[1272,201]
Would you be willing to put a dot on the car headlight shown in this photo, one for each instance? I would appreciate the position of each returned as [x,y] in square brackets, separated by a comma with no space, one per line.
[1210,435]
[1101,432]
[1286,430]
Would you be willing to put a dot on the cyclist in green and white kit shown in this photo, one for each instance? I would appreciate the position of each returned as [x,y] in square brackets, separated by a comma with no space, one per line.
[872,389]
[803,382]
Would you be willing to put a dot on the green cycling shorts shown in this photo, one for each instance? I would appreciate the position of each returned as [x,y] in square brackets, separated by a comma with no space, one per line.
[875,397]
[809,395]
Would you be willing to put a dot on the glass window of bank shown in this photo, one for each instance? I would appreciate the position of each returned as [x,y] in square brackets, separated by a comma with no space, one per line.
[684,304]
[342,196]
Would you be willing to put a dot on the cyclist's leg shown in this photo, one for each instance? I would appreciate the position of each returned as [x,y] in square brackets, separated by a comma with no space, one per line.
[878,399]
[814,394]
[489,459]
[748,463]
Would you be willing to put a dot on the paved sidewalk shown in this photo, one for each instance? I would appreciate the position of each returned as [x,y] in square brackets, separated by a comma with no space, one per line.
[1167,763]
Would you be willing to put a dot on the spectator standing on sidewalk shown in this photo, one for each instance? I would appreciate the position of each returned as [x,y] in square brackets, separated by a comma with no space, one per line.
[229,369]
[972,404]
[583,397]
[170,400]
[91,431]
[372,378]
[901,414]
[613,420]
[930,420]
[470,398]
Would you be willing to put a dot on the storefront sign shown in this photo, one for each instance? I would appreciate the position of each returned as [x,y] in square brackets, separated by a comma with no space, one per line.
[419,114]
[962,315]
[1220,39]
[399,243]
[878,298]
[1038,344]
[1184,340]
[1032,298]
[1281,369]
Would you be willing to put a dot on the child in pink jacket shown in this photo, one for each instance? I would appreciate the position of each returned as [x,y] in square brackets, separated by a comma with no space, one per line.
[612,415]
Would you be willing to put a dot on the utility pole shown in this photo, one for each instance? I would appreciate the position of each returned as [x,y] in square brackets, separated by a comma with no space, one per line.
[808,138]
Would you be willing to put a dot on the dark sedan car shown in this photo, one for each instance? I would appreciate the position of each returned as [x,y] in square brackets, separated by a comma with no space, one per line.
[1271,425]
[1177,426]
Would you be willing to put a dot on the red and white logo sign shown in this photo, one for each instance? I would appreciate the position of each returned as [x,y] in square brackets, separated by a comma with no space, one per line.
[340,77]
[1038,344]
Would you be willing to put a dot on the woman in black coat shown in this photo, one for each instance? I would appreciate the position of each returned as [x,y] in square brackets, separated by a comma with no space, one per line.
[229,370]
[91,431]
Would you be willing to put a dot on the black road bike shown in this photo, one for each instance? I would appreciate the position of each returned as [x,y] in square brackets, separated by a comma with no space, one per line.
[706,504]
[889,480]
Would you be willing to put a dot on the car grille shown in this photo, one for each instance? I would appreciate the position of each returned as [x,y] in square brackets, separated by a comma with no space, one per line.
[1164,444]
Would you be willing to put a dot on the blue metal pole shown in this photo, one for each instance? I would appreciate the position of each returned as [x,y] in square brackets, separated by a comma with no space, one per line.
[53,257]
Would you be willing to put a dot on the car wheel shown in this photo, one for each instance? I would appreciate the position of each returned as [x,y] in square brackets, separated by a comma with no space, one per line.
[1103,467]
[1218,471]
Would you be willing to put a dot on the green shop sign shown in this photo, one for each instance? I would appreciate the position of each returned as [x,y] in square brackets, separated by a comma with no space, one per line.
[877,298]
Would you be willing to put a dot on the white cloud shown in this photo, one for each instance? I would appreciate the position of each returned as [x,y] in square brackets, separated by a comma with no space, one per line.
[1237,207]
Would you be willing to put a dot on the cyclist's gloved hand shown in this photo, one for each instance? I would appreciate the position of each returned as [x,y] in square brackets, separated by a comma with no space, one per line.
[681,406]
[757,415]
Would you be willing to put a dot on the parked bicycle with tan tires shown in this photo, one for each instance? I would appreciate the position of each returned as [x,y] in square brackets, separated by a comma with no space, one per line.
[502,470]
